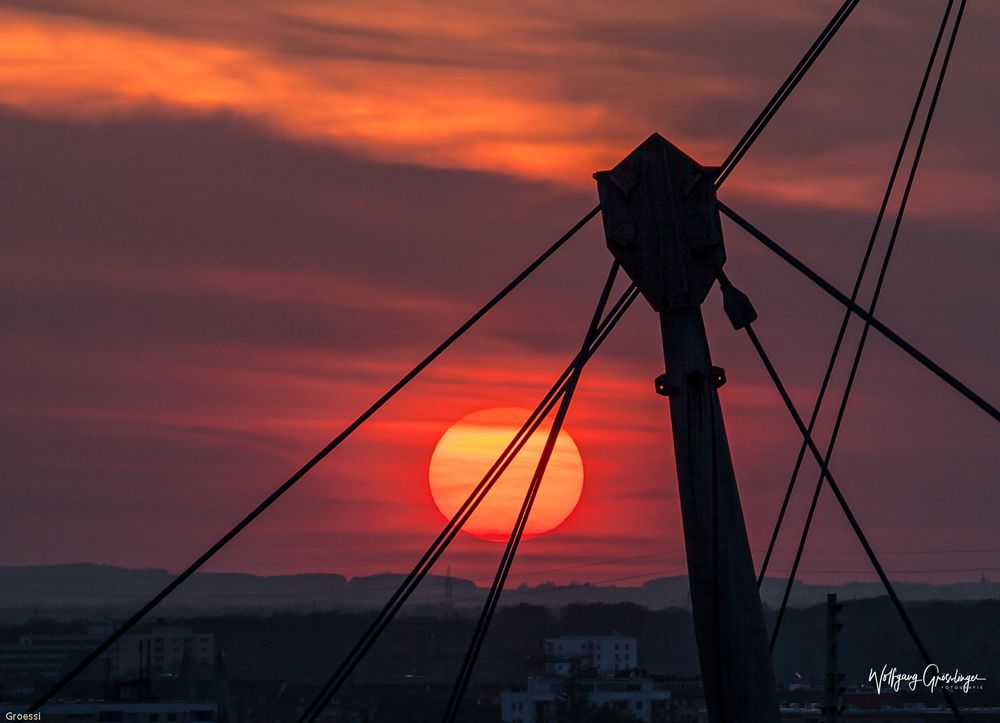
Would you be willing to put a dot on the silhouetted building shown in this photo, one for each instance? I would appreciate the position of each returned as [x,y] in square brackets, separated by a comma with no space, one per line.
[160,650]
[586,672]
[643,697]
[182,697]
[604,654]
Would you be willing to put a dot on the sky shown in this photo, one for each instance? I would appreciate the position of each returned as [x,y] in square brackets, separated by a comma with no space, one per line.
[229,226]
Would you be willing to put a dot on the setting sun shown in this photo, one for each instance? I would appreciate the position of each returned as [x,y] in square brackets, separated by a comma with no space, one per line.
[468,449]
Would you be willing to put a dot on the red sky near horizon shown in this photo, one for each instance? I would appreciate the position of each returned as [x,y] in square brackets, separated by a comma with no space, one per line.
[228,227]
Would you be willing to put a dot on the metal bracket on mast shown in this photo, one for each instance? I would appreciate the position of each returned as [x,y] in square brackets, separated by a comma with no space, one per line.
[662,225]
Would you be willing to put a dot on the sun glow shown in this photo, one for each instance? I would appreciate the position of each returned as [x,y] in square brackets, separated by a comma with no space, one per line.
[470,447]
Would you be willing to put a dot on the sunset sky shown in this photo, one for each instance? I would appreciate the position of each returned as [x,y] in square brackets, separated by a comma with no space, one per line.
[229,226]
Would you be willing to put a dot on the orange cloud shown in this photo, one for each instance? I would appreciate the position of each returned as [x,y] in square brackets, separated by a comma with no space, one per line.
[453,118]
[527,92]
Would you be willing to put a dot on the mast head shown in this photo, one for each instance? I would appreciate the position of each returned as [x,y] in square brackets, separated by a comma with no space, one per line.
[661,223]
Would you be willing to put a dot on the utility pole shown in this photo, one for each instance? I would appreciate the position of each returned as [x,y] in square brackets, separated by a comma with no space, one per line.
[662,225]
[449,593]
[831,711]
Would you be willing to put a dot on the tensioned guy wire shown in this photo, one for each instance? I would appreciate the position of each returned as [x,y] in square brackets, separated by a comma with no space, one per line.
[842,332]
[856,363]
[382,620]
[947,377]
[734,158]
[783,92]
[851,519]
[507,559]
[304,469]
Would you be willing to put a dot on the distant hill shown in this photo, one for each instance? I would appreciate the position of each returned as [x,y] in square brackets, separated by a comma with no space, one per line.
[89,590]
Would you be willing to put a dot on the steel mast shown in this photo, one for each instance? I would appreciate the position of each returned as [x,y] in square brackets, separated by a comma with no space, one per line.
[662,225]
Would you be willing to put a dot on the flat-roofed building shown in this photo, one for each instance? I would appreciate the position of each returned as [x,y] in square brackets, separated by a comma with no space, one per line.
[605,654]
